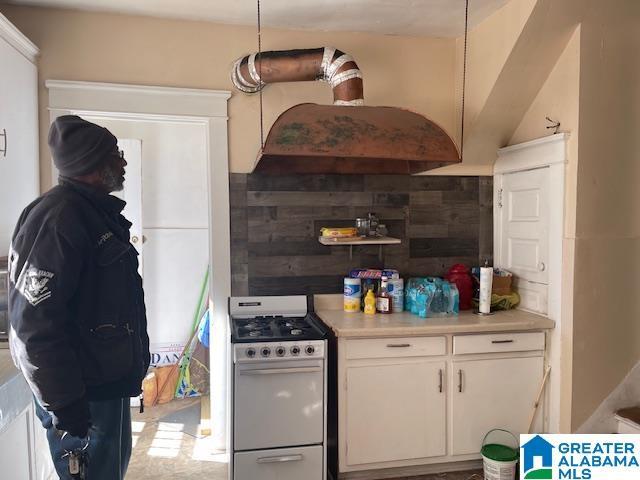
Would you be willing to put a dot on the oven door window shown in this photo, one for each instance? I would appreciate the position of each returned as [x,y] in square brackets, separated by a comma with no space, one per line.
[278,404]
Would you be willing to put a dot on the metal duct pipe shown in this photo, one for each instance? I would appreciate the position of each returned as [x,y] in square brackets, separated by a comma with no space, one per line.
[338,69]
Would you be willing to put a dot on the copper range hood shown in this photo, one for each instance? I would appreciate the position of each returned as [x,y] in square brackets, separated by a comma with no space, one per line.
[346,137]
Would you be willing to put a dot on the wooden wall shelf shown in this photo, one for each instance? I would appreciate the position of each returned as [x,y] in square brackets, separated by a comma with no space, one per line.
[351,241]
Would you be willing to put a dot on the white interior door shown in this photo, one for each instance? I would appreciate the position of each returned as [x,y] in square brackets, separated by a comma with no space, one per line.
[395,412]
[132,192]
[166,192]
[524,207]
[174,268]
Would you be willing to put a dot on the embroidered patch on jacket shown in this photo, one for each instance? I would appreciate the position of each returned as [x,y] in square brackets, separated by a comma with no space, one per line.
[32,284]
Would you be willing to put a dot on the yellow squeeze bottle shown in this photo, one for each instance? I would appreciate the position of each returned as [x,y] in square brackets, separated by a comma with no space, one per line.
[370,303]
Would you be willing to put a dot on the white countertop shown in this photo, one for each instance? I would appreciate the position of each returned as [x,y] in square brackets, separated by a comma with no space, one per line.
[346,324]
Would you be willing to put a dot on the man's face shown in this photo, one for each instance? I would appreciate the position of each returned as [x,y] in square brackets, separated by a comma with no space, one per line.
[112,172]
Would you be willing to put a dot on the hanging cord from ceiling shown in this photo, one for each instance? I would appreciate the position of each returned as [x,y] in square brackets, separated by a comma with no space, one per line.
[260,77]
[464,75]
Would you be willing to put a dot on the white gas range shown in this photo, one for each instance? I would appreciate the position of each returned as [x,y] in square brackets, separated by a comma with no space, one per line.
[280,378]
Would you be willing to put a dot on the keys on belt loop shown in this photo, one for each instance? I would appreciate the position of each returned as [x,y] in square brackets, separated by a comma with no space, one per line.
[78,459]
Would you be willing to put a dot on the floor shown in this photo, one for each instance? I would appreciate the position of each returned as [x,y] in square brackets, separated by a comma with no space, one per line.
[167,445]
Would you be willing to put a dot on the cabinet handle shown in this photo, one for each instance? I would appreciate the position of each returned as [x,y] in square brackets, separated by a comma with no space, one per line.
[501,341]
[276,371]
[4,150]
[440,379]
[398,345]
[284,458]
[460,381]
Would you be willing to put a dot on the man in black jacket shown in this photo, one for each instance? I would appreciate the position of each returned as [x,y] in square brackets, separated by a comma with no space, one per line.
[76,305]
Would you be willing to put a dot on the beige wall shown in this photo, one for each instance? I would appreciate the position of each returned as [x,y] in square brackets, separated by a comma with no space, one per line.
[488,48]
[607,255]
[510,56]
[602,228]
[410,72]
[559,99]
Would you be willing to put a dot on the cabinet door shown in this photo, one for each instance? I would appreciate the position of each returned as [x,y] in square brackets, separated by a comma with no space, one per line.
[19,182]
[488,394]
[16,447]
[395,411]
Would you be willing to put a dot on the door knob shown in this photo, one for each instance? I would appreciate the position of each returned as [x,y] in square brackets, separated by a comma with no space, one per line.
[135,239]
[542,266]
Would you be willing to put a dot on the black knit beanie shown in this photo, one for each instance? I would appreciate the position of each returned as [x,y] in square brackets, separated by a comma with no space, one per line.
[79,147]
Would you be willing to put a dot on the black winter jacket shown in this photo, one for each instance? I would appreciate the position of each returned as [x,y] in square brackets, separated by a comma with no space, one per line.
[76,306]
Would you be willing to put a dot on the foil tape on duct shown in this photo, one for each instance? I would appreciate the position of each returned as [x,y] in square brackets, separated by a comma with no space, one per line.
[338,69]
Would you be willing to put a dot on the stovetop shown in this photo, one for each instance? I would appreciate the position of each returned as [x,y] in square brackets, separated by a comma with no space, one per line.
[277,328]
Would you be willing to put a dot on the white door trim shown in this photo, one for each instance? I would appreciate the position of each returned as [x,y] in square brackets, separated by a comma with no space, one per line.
[208,107]
[15,38]
[550,152]
[542,152]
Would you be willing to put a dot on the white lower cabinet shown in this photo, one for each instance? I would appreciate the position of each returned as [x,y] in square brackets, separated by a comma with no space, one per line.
[395,411]
[487,394]
[16,447]
[414,401]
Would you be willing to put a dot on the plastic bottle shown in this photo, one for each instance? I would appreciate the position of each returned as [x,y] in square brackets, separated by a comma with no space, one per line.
[370,303]
[352,293]
[384,302]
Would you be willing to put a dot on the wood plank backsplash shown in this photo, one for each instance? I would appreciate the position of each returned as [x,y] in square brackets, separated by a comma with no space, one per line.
[275,222]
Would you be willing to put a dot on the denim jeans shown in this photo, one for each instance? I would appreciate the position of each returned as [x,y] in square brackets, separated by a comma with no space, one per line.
[109,447]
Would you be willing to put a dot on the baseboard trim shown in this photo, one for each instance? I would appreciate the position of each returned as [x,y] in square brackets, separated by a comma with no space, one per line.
[412,471]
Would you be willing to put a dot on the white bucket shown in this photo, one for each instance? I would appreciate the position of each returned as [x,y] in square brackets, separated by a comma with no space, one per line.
[499,469]
[494,470]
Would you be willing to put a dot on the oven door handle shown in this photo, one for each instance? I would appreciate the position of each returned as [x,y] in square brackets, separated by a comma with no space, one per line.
[283,458]
[275,371]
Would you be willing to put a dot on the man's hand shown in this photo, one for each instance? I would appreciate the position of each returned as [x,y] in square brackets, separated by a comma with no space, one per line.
[73,418]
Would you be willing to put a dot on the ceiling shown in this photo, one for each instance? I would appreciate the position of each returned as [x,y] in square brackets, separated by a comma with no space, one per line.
[434,18]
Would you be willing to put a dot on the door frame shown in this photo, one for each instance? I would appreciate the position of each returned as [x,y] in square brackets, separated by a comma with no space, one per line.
[547,152]
[199,106]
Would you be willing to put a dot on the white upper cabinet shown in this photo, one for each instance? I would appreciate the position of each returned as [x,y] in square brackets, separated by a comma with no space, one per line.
[19,172]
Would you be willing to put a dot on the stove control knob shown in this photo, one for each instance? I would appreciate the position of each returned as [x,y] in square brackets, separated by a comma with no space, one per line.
[251,352]
[310,349]
[280,351]
[295,350]
[265,352]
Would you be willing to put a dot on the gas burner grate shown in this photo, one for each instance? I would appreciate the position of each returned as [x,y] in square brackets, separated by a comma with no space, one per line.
[275,327]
